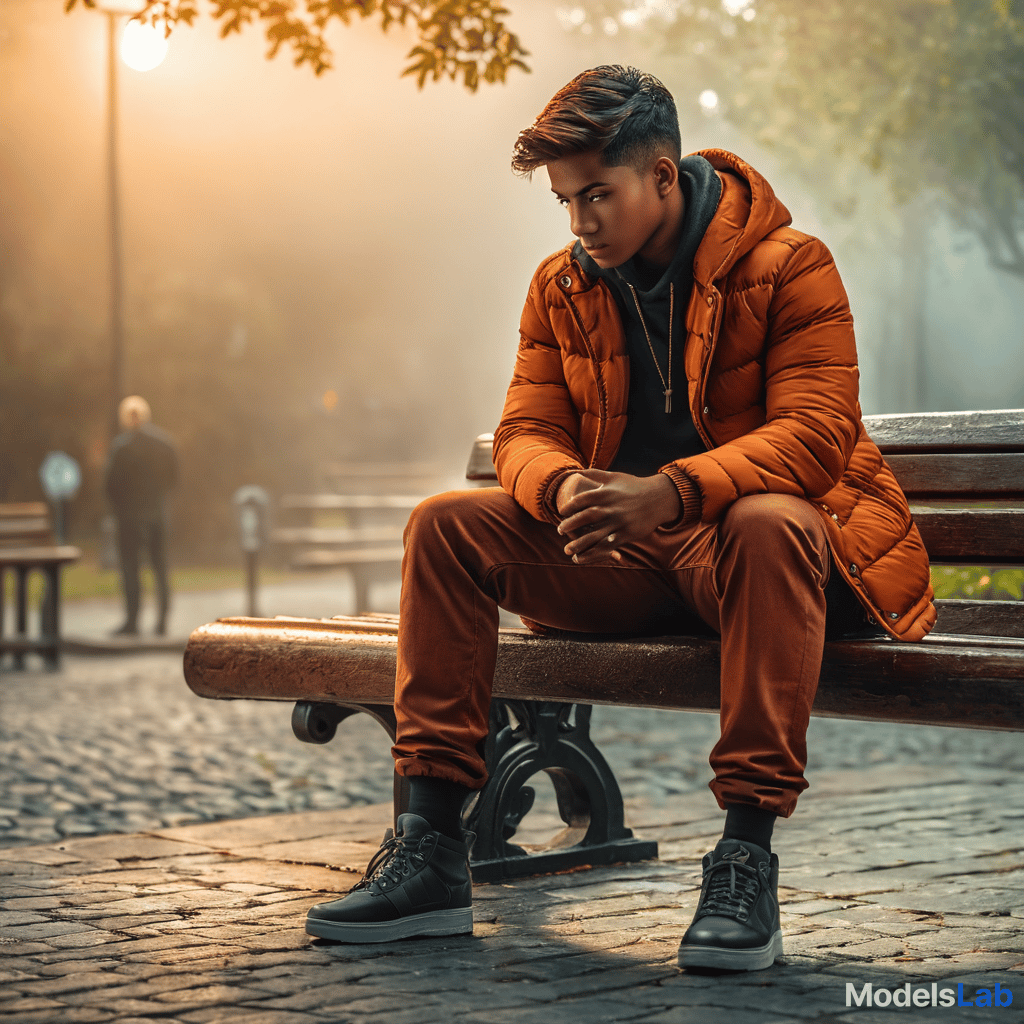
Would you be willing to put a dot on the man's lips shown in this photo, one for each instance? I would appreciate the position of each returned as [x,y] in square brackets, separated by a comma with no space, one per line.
[591,249]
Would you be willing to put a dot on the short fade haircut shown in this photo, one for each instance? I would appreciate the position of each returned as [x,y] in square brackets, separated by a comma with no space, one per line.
[625,114]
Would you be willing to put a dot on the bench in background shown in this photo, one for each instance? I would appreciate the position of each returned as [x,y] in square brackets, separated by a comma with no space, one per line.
[27,545]
[368,504]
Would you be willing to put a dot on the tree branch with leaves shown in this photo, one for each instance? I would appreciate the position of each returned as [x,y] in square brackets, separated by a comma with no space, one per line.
[465,40]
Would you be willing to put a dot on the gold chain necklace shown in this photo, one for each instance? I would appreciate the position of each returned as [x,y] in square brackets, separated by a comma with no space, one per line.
[666,385]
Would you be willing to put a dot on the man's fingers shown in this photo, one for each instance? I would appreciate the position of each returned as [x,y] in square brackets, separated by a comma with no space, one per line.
[582,521]
[582,500]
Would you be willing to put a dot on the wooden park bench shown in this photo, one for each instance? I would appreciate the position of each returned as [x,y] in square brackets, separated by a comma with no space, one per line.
[964,475]
[27,544]
[369,545]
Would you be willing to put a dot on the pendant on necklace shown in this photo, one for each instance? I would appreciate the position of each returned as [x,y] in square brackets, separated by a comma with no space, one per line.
[668,400]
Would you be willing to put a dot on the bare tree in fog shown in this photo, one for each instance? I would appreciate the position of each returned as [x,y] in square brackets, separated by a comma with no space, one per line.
[457,38]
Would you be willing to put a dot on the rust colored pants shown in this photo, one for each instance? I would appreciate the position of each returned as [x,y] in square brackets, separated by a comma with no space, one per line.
[757,577]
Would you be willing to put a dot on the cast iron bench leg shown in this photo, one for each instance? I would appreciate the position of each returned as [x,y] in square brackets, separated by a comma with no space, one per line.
[526,737]
[314,722]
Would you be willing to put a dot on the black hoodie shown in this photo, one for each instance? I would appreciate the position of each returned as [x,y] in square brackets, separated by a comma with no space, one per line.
[653,437]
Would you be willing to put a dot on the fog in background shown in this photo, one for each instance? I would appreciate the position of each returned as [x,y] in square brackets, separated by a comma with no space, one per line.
[287,236]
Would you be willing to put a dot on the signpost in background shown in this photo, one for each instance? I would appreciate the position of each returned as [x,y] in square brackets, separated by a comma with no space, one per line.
[61,477]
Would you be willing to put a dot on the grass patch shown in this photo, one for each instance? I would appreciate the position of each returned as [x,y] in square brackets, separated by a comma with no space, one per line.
[978,583]
[86,579]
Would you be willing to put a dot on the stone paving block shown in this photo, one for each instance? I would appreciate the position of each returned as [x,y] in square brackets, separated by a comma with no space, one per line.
[29,903]
[582,1009]
[79,981]
[245,1015]
[148,1020]
[709,1015]
[124,848]
[45,929]
[874,948]
[144,1008]
[72,1014]
[593,981]
[211,995]
[31,1004]
[15,859]
[175,953]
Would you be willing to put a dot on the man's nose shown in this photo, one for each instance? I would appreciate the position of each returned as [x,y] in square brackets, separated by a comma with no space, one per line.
[581,219]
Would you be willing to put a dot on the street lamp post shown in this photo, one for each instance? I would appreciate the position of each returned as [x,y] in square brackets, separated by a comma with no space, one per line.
[115,10]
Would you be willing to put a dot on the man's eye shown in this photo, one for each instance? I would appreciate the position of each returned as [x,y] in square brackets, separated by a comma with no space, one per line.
[594,196]
[563,202]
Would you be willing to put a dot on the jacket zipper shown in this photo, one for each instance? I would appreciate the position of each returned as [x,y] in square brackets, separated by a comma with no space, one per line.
[602,394]
[704,374]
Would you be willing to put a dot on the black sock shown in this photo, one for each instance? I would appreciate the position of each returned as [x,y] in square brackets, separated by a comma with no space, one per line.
[754,824]
[440,802]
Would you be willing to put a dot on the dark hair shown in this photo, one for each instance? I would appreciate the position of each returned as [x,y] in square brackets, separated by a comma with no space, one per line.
[626,114]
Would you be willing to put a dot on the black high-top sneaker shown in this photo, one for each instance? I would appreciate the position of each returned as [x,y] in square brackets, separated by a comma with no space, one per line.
[736,927]
[417,883]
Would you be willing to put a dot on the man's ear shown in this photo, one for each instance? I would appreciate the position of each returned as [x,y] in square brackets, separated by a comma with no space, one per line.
[666,175]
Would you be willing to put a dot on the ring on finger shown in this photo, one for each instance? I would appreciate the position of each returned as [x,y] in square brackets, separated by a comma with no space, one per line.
[610,538]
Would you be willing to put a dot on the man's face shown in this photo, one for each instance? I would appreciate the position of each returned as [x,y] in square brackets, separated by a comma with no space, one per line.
[616,212]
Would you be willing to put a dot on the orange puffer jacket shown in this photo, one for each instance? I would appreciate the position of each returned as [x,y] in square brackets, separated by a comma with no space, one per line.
[771,366]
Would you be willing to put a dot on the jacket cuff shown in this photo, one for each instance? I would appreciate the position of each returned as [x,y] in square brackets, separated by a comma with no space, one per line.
[551,494]
[689,498]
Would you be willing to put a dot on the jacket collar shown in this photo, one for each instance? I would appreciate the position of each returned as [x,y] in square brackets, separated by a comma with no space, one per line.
[747,212]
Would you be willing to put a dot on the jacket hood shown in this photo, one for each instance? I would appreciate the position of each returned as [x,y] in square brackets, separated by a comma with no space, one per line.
[747,211]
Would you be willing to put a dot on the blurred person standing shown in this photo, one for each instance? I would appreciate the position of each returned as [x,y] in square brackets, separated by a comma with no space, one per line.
[141,470]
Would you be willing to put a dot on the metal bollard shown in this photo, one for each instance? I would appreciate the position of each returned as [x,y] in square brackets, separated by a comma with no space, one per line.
[252,506]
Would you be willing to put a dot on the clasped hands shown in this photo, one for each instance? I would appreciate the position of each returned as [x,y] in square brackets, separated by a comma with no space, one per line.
[602,510]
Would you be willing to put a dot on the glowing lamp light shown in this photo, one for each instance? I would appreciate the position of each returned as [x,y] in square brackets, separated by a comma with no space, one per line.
[143,47]
[708,100]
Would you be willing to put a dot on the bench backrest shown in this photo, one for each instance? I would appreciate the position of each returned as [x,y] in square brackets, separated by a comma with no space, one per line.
[962,471]
[25,524]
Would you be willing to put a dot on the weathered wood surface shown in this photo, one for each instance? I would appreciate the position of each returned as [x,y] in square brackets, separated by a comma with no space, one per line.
[989,430]
[39,556]
[975,682]
[981,618]
[973,474]
[976,536]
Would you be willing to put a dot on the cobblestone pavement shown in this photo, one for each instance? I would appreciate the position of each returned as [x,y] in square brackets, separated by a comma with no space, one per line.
[903,864]
[915,885]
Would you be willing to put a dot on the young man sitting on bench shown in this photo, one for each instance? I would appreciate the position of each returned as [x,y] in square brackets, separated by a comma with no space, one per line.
[681,447]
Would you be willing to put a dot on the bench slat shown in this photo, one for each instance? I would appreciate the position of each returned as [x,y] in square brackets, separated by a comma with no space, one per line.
[335,534]
[39,556]
[990,430]
[973,536]
[24,510]
[980,618]
[327,558]
[971,474]
[350,501]
[967,681]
